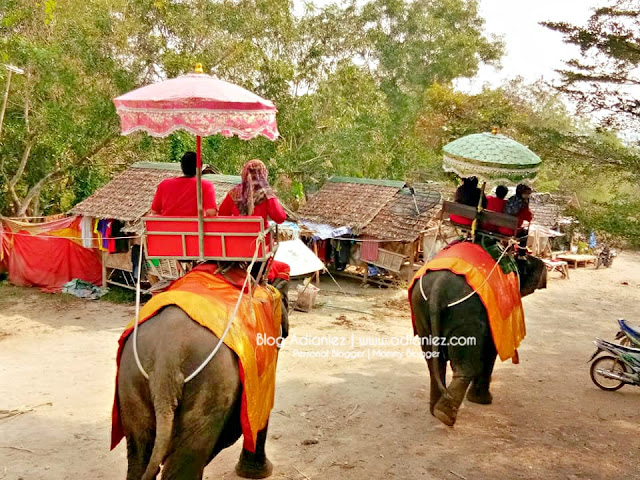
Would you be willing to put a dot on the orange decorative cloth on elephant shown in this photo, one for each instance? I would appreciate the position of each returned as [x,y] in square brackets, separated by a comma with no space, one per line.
[209,299]
[499,292]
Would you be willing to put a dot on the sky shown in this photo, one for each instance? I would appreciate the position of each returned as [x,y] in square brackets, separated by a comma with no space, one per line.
[532,51]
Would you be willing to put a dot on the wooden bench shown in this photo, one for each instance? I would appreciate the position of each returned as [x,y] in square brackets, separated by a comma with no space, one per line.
[557,266]
[485,217]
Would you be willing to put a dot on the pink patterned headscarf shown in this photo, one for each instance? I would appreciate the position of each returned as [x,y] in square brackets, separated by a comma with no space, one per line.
[254,188]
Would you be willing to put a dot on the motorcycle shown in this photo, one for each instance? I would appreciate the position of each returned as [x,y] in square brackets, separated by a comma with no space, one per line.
[628,335]
[605,257]
[622,367]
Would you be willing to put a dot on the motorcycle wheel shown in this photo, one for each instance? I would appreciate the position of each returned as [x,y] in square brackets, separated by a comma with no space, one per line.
[598,262]
[611,364]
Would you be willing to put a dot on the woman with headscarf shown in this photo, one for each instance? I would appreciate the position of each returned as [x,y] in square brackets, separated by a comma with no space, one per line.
[518,206]
[254,196]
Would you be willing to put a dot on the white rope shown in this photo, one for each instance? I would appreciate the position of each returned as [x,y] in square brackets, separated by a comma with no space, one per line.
[467,297]
[135,327]
[261,237]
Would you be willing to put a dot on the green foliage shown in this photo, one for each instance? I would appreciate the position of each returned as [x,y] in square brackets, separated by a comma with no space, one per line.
[119,295]
[362,89]
[614,222]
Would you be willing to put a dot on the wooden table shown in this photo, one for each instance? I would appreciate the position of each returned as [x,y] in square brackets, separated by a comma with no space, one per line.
[557,266]
[576,260]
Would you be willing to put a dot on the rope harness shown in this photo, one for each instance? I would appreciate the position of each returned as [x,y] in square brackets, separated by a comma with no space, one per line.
[247,281]
[467,297]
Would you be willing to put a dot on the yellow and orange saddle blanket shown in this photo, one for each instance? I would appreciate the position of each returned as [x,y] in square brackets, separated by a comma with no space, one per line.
[209,298]
[499,292]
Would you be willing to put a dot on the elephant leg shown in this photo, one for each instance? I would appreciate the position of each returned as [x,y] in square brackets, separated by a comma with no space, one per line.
[479,389]
[198,431]
[446,410]
[139,449]
[435,393]
[255,465]
[193,451]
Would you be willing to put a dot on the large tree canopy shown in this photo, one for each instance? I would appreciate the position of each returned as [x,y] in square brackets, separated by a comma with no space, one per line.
[607,76]
[347,80]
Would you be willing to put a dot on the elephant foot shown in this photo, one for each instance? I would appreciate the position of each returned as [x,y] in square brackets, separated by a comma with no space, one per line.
[248,467]
[482,397]
[445,411]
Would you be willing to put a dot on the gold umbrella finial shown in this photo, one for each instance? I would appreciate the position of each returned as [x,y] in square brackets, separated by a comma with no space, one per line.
[198,68]
[494,131]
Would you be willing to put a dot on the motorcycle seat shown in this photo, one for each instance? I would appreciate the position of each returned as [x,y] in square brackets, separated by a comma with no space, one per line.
[630,331]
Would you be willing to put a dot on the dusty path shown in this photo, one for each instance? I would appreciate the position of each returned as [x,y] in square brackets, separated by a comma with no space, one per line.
[339,417]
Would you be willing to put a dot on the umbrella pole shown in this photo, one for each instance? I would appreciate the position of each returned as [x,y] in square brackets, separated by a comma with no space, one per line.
[199,193]
[474,225]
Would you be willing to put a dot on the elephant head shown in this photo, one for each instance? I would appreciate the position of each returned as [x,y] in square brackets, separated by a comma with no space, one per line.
[533,275]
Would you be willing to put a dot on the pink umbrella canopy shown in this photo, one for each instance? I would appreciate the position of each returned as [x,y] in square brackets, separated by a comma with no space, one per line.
[200,104]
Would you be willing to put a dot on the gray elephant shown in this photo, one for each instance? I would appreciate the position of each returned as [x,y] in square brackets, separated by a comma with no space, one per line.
[472,365]
[182,426]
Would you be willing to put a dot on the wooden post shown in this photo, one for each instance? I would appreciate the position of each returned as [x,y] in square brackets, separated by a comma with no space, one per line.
[104,269]
[412,259]
[317,274]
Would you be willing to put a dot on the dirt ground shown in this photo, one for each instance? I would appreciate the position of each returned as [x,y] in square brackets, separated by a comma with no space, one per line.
[340,417]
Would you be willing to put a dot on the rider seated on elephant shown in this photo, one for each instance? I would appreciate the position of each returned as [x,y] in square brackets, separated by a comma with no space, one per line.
[255,197]
[518,206]
[496,203]
[178,196]
[468,193]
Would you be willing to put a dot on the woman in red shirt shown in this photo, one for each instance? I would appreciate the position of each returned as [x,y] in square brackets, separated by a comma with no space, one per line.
[254,196]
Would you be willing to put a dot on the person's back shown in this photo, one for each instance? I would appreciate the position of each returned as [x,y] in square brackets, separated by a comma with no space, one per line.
[254,196]
[497,204]
[178,197]
[518,206]
[468,194]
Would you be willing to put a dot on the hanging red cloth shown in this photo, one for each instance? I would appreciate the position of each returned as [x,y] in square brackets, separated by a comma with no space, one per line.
[49,254]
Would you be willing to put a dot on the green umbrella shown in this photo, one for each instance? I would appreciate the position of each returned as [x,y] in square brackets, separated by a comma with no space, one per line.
[490,157]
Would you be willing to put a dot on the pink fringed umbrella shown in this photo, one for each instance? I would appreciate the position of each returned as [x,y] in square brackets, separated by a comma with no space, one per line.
[200,104]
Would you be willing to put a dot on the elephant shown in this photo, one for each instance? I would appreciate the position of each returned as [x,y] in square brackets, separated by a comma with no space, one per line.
[182,426]
[472,365]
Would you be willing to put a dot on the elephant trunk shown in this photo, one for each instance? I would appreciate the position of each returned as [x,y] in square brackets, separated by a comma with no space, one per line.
[166,387]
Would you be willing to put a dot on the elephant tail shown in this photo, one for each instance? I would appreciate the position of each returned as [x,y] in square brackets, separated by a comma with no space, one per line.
[435,311]
[166,387]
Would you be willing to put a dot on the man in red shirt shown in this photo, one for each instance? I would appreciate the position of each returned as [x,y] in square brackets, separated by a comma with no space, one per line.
[177,197]
[496,204]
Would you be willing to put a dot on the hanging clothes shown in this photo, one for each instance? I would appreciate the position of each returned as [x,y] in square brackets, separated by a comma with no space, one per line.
[86,227]
[342,254]
[369,251]
[121,243]
[98,229]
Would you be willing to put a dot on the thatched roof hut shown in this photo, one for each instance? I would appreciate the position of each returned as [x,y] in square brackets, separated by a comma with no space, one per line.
[129,195]
[383,209]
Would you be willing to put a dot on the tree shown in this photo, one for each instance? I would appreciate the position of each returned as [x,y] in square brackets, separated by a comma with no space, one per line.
[607,76]
[60,114]
[347,79]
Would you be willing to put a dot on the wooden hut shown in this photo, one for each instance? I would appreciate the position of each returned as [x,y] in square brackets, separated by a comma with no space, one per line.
[380,222]
[125,200]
